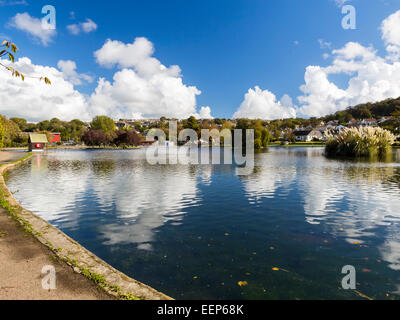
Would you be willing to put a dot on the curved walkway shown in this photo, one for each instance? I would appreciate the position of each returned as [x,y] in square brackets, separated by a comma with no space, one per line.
[22,259]
[29,243]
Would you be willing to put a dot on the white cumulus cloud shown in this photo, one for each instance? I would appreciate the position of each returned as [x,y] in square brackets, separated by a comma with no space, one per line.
[391,35]
[143,88]
[259,104]
[68,68]
[371,78]
[34,100]
[86,27]
[36,28]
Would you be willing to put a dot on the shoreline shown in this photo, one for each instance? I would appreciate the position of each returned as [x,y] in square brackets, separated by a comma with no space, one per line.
[70,252]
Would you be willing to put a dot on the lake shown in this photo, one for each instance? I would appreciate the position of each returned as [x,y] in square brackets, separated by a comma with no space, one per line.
[196,231]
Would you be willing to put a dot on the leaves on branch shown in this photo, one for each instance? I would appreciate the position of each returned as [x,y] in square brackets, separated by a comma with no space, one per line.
[14,49]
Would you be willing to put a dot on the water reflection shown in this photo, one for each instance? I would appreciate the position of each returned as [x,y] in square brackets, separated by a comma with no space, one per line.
[351,199]
[166,224]
[145,200]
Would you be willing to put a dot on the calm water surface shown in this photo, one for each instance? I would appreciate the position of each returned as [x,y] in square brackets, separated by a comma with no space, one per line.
[194,232]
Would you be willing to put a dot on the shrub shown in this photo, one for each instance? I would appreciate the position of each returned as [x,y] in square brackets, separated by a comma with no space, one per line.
[95,138]
[360,142]
[127,138]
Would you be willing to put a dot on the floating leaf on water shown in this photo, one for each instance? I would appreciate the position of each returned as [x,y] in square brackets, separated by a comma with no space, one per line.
[242,283]
[362,295]
[195,277]
[275,269]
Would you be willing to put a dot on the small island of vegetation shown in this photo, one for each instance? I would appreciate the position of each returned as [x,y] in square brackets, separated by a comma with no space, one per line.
[360,142]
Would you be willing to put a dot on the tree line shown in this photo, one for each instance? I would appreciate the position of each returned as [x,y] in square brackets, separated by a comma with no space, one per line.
[101,132]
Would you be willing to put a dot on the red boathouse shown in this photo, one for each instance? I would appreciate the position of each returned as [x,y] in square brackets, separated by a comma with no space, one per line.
[37,142]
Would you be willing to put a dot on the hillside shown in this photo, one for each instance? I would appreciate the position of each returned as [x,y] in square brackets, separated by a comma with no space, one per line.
[386,108]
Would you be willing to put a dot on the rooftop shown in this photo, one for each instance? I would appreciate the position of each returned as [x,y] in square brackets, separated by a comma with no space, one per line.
[38,138]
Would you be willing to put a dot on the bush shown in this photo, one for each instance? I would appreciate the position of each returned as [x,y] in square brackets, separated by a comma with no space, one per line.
[128,138]
[95,138]
[360,142]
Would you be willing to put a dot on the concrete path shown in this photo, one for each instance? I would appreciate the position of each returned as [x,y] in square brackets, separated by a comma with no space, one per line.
[7,157]
[22,259]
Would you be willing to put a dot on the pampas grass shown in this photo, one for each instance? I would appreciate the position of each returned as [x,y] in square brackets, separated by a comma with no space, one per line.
[360,142]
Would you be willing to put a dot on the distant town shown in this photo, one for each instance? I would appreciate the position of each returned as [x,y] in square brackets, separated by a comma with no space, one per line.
[104,131]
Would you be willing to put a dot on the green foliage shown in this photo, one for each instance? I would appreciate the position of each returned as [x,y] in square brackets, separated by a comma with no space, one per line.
[262,136]
[191,123]
[360,142]
[368,110]
[9,49]
[103,123]
[1,135]
[22,123]
[11,132]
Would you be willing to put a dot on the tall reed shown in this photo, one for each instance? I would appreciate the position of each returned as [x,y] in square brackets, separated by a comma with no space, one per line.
[360,142]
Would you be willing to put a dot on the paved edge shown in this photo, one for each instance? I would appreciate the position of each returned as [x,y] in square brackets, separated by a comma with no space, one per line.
[68,250]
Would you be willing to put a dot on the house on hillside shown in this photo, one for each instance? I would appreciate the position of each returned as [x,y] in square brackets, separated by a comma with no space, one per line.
[353,123]
[308,135]
[369,122]
[37,142]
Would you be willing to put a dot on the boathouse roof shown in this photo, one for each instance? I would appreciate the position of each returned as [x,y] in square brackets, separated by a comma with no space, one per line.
[38,138]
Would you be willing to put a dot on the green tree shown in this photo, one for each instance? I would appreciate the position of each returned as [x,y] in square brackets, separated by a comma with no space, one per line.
[22,123]
[1,136]
[11,132]
[191,123]
[262,136]
[103,123]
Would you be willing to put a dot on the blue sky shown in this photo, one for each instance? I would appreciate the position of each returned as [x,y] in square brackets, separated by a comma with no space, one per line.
[223,48]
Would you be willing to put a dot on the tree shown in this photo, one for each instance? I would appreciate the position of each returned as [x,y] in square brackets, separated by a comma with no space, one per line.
[11,132]
[191,123]
[262,136]
[289,136]
[103,123]
[9,49]
[1,136]
[127,138]
[44,125]
[396,114]
[95,138]
[22,123]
